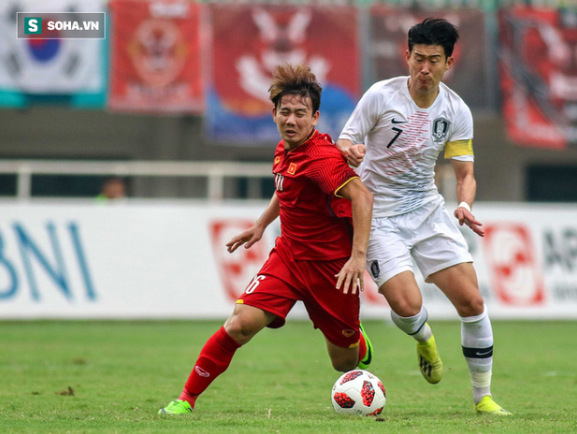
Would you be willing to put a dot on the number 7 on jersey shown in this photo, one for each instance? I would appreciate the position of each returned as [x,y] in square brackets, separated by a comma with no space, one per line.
[399,131]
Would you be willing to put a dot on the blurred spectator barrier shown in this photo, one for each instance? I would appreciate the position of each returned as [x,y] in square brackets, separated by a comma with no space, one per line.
[215,172]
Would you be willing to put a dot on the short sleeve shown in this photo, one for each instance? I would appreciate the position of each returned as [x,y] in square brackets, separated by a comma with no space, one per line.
[462,124]
[364,117]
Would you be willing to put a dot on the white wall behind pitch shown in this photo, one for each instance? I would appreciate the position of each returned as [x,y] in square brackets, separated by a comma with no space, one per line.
[169,260]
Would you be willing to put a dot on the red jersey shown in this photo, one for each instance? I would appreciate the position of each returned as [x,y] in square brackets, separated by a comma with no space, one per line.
[316,224]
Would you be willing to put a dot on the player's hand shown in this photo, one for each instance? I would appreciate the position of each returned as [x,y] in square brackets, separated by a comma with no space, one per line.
[248,238]
[352,275]
[465,217]
[356,154]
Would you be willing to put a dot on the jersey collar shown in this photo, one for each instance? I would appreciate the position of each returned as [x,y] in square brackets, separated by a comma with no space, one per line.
[304,142]
[405,90]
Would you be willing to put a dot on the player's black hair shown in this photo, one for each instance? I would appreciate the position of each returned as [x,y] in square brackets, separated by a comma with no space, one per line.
[434,31]
[295,80]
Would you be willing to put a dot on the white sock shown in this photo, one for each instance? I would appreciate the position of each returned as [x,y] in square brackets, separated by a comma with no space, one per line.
[477,342]
[415,326]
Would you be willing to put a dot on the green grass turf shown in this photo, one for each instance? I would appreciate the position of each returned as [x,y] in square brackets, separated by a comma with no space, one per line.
[121,373]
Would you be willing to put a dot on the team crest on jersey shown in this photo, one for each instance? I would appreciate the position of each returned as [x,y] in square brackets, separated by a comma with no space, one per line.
[276,160]
[440,129]
[292,168]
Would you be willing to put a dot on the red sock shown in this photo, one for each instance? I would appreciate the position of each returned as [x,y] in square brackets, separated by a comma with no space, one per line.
[212,361]
[362,347]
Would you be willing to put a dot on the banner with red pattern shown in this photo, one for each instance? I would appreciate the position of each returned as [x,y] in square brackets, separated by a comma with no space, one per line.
[249,41]
[155,58]
[468,76]
[538,70]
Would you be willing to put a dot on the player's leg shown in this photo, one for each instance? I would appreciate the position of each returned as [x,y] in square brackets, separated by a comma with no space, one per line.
[443,257]
[336,314]
[358,355]
[246,321]
[343,359]
[409,314]
[217,353]
[265,302]
[390,265]
[459,283]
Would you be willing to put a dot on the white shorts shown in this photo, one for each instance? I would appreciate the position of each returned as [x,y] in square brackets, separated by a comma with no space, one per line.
[428,234]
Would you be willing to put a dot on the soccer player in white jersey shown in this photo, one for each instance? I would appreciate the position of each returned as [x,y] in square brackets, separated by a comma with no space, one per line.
[397,130]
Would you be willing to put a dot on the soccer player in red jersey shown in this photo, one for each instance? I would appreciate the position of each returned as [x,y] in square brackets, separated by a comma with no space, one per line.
[318,258]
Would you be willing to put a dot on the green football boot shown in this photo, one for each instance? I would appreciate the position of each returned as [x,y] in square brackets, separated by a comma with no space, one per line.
[486,406]
[366,362]
[178,406]
[430,362]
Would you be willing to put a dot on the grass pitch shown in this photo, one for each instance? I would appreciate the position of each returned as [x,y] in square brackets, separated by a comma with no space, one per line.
[112,377]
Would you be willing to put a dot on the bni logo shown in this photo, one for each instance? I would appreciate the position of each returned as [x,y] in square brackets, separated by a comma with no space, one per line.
[33,26]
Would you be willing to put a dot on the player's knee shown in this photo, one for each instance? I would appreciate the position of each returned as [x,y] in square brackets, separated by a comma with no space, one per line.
[241,328]
[405,307]
[345,364]
[472,306]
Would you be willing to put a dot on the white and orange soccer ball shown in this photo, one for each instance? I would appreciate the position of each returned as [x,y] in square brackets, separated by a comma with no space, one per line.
[358,392]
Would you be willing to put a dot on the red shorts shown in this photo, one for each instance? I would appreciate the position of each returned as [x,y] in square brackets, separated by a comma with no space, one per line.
[282,281]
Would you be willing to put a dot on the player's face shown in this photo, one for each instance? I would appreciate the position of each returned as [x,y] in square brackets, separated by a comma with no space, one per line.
[427,65]
[295,119]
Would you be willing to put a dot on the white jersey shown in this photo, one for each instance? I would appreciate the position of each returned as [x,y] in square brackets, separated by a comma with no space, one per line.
[403,142]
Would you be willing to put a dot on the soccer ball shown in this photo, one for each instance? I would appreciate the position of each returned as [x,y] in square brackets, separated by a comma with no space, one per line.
[358,392]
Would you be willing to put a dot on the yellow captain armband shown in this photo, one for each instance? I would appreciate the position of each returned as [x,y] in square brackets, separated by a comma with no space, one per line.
[458,148]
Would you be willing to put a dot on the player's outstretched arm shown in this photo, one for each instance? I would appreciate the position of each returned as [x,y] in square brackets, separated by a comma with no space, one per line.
[466,192]
[362,204]
[354,154]
[254,234]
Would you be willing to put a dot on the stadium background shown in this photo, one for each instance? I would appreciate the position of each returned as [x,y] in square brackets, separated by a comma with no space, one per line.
[172,100]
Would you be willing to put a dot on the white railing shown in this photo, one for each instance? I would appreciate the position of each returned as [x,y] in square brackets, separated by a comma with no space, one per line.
[215,172]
